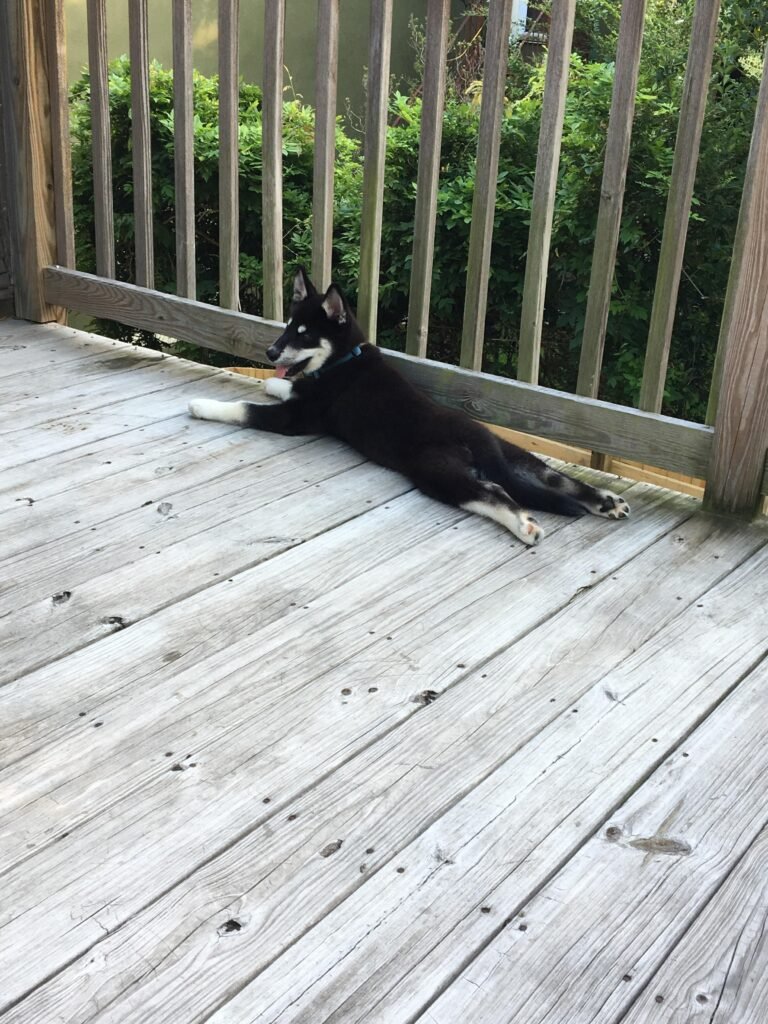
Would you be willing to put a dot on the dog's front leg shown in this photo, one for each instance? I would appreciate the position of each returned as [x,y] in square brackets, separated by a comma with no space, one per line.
[289,418]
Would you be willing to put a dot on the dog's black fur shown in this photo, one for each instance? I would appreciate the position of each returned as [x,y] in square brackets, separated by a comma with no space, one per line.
[350,392]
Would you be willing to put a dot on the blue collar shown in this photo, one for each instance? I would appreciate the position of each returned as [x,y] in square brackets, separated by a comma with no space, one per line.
[356,351]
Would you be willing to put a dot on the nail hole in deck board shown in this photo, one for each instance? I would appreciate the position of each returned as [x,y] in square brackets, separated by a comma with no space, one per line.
[115,620]
[346,691]
[425,697]
[627,977]
[400,871]
[522,927]
[485,910]
[169,753]
[292,817]
[97,724]
[613,833]
[267,800]
[331,848]
[461,665]
[82,714]
[145,503]
[685,754]
[373,689]
[232,925]
[701,998]
[370,850]
[659,999]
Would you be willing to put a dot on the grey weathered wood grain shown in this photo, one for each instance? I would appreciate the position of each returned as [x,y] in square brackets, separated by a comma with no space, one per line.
[326,80]
[61,148]
[142,143]
[646,875]
[272,159]
[273,648]
[611,196]
[103,209]
[717,971]
[486,174]
[209,326]
[27,160]
[736,472]
[545,183]
[433,101]
[373,169]
[692,106]
[382,801]
[184,148]
[229,178]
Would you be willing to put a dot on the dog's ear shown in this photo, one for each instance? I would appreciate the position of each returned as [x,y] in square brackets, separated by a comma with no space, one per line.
[335,305]
[302,286]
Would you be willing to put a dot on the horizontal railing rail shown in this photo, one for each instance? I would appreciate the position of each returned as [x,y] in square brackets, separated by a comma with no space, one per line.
[730,454]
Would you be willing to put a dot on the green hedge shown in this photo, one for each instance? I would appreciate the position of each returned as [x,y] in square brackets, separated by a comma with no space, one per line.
[724,149]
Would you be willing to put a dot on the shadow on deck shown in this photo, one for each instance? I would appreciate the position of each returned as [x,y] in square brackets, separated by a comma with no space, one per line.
[283,740]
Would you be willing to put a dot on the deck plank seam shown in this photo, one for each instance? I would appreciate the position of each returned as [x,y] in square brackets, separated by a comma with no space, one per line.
[572,851]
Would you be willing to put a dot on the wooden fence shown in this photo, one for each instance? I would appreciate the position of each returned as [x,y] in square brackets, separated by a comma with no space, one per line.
[730,452]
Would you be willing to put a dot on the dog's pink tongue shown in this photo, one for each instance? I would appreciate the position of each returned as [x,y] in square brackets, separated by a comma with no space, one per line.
[280,371]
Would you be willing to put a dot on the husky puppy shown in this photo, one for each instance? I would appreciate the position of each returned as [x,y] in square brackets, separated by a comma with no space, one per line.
[329,381]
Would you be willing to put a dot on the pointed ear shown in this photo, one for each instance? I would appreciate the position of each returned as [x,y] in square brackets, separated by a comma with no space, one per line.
[302,286]
[335,305]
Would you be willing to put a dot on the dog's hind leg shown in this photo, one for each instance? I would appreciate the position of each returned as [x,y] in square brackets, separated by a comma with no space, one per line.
[494,503]
[448,476]
[532,480]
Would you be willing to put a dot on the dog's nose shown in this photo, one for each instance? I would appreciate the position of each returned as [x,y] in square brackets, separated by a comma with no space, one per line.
[273,352]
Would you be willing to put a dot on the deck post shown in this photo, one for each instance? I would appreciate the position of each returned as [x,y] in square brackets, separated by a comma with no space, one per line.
[741,426]
[28,146]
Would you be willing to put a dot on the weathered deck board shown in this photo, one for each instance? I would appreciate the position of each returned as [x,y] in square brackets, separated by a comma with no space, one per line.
[717,972]
[495,847]
[248,748]
[382,800]
[645,876]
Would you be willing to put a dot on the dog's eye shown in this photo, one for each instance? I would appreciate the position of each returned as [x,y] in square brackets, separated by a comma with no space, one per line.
[301,330]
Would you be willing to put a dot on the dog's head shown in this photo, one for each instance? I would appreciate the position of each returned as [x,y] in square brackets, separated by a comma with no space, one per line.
[321,328]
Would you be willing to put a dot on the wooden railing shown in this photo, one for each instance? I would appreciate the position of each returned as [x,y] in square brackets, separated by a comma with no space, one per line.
[730,452]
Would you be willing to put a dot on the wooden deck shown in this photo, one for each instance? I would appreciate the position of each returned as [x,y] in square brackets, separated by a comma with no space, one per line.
[283,741]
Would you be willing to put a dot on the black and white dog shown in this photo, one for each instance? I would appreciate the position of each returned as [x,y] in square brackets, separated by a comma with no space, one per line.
[348,390]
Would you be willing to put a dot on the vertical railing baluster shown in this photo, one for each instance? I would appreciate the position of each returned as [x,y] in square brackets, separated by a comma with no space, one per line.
[184,148]
[373,171]
[101,139]
[611,195]
[741,424]
[433,101]
[545,184]
[229,197]
[141,139]
[486,176]
[62,150]
[326,78]
[272,159]
[692,106]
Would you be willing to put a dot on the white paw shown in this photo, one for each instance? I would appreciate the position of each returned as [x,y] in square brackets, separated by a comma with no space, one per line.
[529,531]
[221,412]
[277,387]
[612,506]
